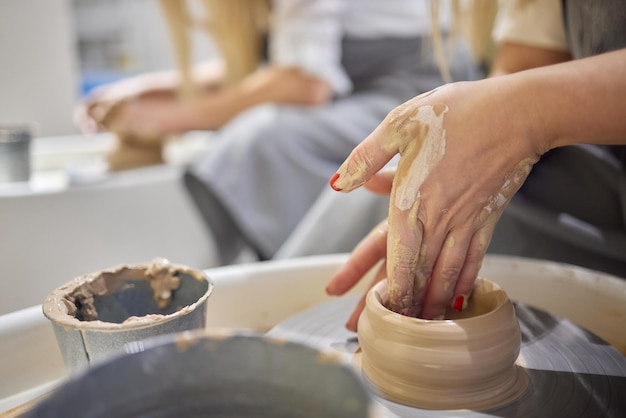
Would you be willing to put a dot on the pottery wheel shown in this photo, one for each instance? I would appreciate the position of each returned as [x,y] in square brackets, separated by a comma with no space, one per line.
[572,373]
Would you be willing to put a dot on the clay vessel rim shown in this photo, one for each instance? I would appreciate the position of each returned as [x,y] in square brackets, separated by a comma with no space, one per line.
[56,306]
[377,293]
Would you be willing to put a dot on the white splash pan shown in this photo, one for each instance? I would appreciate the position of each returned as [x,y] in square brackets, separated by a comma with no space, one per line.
[260,295]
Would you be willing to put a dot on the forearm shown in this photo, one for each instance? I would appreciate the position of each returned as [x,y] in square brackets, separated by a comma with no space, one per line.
[165,114]
[576,102]
[272,84]
[213,110]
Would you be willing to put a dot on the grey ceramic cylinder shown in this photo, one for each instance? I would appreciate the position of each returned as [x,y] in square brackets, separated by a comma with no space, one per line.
[197,374]
[127,308]
[14,153]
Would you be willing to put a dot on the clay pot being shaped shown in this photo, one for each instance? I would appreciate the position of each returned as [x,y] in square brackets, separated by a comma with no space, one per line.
[466,361]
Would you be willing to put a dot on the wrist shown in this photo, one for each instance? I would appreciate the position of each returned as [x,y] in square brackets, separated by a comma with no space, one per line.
[532,121]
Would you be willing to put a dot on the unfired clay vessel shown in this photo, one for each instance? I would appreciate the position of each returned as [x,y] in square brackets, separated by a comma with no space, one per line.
[467,361]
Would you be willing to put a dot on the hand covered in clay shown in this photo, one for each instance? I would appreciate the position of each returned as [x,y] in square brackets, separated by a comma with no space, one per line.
[464,152]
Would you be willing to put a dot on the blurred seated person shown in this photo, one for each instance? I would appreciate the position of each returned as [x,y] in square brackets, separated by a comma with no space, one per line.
[298,84]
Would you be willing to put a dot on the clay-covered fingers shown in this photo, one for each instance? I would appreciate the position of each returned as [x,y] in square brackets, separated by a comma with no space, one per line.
[365,159]
[449,265]
[412,250]
[404,250]
[462,254]
[473,262]
[399,128]
[364,257]
[457,266]
[381,182]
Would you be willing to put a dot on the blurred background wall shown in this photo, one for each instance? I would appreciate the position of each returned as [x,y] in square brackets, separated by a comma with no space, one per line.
[52,52]
[58,226]
[38,74]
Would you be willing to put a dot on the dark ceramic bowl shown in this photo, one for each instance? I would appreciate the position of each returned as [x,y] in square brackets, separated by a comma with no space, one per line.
[195,374]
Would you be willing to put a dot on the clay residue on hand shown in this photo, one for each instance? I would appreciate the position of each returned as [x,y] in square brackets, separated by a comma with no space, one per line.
[420,138]
[512,183]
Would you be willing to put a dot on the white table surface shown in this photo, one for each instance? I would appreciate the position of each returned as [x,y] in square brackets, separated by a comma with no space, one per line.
[257,296]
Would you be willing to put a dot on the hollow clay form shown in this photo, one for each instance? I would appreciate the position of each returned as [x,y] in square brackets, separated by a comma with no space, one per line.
[467,361]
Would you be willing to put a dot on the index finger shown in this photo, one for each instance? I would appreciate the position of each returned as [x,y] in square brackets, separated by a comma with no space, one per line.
[365,159]
[381,182]
[423,147]
[388,139]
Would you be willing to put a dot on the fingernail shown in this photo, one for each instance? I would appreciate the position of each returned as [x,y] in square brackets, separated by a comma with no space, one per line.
[458,303]
[332,181]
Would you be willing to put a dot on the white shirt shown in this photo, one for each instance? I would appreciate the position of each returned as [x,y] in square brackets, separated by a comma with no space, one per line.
[308,33]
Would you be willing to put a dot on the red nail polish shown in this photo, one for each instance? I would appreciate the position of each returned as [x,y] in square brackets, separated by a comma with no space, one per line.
[458,303]
[332,181]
